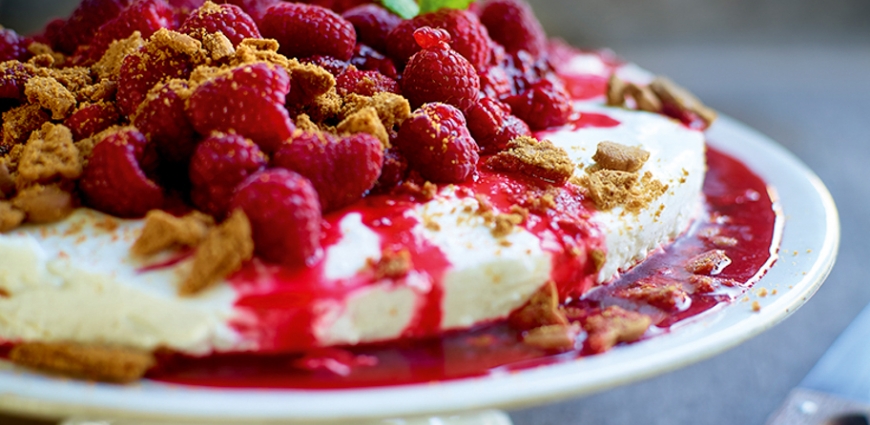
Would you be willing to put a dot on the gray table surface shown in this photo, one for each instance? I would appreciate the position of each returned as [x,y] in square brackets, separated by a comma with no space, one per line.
[815,100]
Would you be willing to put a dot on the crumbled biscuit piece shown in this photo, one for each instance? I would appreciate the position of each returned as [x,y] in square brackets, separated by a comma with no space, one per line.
[45,204]
[612,326]
[541,160]
[323,107]
[10,217]
[36,49]
[365,120]
[110,64]
[165,40]
[540,203]
[42,61]
[504,224]
[4,293]
[392,109]
[50,94]
[20,121]
[12,158]
[610,189]
[483,204]
[104,90]
[218,46]
[393,264]
[541,310]
[709,263]
[304,123]
[616,91]
[309,81]
[614,156]
[598,257]
[98,363]
[49,154]
[703,284]
[7,181]
[261,44]
[552,337]
[86,145]
[74,78]
[424,192]
[663,293]
[672,94]
[163,230]
[224,250]
[644,98]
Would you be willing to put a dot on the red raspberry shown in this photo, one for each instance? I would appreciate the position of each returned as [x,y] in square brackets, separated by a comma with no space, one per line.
[114,181]
[512,24]
[13,76]
[163,121]
[525,70]
[219,164]
[11,46]
[247,100]
[338,6]
[341,169]
[393,172]
[83,24]
[285,216]
[437,144]
[492,125]
[368,59]
[439,74]
[495,82]
[469,36]
[145,16]
[365,83]
[143,69]
[334,66]
[229,19]
[306,30]
[256,9]
[373,24]
[90,119]
[542,106]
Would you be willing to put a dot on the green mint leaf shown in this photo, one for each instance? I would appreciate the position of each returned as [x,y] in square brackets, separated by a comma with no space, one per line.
[433,5]
[406,9]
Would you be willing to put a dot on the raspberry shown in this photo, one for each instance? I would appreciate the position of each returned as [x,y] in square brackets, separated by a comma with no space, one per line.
[525,70]
[83,24]
[219,164]
[393,172]
[341,169]
[338,6]
[469,37]
[114,181]
[495,82]
[90,119]
[11,46]
[285,216]
[373,24]
[438,73]
[145,16]
[368,59]
[512,24]
[13,76]
[365,83]
[229,19]
[437,144]
[332,65]
[256,9]
[306,30]
[163,121]
[143,69]
[542,106]
[492,125]
[247,100]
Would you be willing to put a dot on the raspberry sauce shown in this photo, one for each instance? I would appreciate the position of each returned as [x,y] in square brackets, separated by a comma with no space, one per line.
[740,220]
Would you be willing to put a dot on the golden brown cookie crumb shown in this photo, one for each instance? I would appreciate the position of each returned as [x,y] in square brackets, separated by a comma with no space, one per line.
[392,109]
[304,124]
[609,189]
[50,94]
[110,64]
[612,326]
[163,230]
[224,250]
[393,264]
[74,78]
[504,224]
[36,48]
[615,91]
[218,46]
[644,98]
[541,310]
[552,337]
[540,203]
[49,154]
[424,192]
[10,217]
[365,120]
[108,364]
[7,181]
[541,160]
[615,156]
[104,90]
[666,295]
[20,121]
[709,263]
[44,204]
[672,94]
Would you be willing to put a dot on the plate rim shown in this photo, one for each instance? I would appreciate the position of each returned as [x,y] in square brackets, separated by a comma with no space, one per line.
[38,395]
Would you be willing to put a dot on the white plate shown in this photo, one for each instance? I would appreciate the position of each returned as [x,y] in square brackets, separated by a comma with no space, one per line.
[809,246]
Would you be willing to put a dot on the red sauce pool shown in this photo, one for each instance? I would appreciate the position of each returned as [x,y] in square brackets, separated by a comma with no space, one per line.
[738,207]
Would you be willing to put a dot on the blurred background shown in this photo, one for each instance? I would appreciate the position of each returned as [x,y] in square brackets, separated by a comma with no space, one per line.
[796,70]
